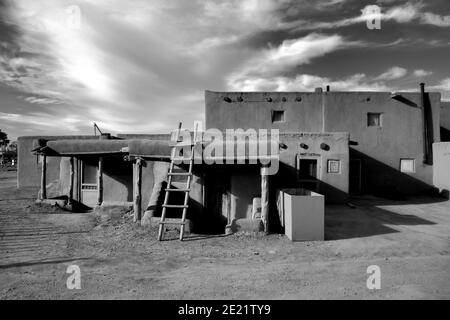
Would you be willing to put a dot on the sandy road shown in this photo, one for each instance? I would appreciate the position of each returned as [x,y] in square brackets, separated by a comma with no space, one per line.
[409,241]
[31,234]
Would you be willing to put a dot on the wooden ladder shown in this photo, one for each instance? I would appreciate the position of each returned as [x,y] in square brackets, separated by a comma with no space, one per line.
[169,189]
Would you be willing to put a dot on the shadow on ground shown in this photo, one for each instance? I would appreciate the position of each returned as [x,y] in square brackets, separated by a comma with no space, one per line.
[367,219]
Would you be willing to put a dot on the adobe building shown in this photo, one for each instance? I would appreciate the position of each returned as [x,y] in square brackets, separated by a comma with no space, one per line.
[390,135]
[333,143]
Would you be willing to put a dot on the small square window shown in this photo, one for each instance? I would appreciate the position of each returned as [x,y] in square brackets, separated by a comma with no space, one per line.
[277,115]
[407,165]
[334,166]
[374,119]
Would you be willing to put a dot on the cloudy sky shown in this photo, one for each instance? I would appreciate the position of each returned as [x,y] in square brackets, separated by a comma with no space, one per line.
[141,66]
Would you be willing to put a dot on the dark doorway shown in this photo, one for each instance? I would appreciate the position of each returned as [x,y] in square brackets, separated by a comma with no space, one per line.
[308,173]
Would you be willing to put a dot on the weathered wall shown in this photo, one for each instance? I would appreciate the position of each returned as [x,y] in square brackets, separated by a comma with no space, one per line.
[117,179]
[445,114]
[232,187]
[380,148]
[333,185]
[445,121]
[302,110]
[29,170]
[195,195]
[245,185]
[441,174]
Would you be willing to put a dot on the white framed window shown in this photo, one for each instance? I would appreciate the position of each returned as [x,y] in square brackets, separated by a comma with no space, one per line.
[334,166]
[374,119]
[407,165]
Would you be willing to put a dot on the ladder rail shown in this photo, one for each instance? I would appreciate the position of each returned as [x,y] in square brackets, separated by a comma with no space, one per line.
[169,182]
[186,190]
[188,182]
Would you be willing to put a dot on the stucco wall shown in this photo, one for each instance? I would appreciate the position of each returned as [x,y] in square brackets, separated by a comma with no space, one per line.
[29,169]
[255,111]
[445,121]
[380,148]
[117,179]
[195,195]
[441,174]
[245,185]
[445,114]
[333,185]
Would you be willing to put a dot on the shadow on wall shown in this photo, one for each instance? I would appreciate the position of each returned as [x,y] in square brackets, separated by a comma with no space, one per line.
[205,222]
[121,172]
[445,134]
[384,181]
[287,178]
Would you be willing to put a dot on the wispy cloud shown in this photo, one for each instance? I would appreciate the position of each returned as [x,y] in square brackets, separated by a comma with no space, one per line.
[422,73]
[283,58]
[435,19]
[442,85]
[143,67]
[392,74]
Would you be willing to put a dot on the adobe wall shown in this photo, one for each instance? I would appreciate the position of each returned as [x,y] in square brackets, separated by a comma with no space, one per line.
[441,174]
[29,168]
[302,110]
[445,121]
[381,148]
[445,114]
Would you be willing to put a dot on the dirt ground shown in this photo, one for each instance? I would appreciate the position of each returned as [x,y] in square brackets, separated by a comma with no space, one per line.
[408,240]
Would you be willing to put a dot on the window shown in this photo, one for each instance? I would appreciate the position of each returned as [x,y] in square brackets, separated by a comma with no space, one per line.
[277,115]
[334,166]
[89,173]
[407,165]
[374,119]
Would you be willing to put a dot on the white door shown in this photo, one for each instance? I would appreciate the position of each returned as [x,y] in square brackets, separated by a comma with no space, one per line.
[89,187]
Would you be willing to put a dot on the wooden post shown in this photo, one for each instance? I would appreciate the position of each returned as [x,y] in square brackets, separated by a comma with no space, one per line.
[72,174]
[137,190]
[265,197]
[100,181]
[43,178]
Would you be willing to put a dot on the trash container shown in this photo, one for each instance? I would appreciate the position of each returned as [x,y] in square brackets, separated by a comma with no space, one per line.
[302,214]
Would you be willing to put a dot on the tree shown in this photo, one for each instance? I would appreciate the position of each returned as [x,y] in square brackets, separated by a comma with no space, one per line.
[12,147]
[3,138]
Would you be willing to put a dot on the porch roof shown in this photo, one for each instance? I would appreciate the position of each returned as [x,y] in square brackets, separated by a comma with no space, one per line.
[150,149]
[82,147]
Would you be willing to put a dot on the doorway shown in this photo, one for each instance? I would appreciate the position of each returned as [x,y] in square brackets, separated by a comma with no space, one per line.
[308,172]
[89,186]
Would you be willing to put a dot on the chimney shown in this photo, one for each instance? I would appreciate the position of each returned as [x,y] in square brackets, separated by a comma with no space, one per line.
[328,88]
[318,90]
[427,127]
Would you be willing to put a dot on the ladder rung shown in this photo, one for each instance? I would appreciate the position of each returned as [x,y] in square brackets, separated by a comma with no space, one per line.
[179,174]
[183,144]
[174,206]
[181,159]
[178,190]
[172,222]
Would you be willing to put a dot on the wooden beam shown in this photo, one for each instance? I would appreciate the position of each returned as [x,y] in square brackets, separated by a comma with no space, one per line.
[137,199]
[100,181]
[72,175]
[265,198]
[44,178]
